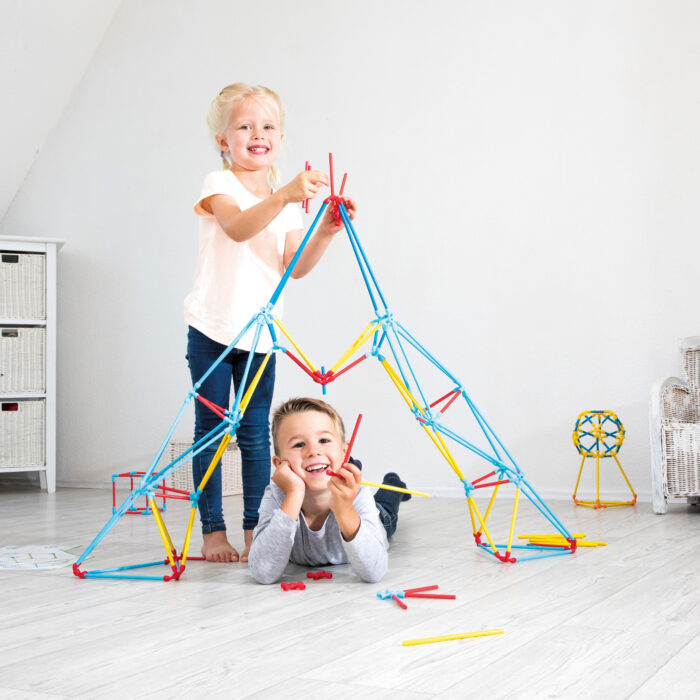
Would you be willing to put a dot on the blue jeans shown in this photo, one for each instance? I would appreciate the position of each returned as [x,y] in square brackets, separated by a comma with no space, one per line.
[253,434]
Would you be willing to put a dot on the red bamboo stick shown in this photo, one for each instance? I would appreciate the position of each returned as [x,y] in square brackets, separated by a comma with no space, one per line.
[400,603]
[352,439]
[420,590]
[481,478]
[342,185]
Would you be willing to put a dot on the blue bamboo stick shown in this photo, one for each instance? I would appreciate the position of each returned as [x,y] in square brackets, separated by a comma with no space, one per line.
[126,568]
[165,442]
[135,578]
[228,349]
[362,269]
[428,356]
[410,366]
[244,378]
[287,273]
[348,224]
[478,419]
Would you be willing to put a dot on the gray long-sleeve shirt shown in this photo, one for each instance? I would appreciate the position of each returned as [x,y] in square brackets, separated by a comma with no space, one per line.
[278,539]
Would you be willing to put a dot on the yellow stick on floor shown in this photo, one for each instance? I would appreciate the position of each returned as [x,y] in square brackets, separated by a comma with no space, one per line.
[576,535]
[450,637]
[394,488]
[365,335]
[279,325]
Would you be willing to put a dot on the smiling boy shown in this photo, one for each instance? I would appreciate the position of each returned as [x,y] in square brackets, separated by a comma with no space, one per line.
[311,518]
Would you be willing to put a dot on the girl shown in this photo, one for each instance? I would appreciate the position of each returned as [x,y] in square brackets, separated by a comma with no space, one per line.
[249,233]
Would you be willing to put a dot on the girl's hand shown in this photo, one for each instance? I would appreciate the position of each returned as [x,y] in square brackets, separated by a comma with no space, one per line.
[289,478]
[328,222]
[304,186]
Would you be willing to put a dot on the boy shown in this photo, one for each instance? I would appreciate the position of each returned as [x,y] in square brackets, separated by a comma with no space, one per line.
[311,518]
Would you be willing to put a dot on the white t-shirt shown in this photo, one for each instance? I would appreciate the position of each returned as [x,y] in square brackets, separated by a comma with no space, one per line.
[233,281]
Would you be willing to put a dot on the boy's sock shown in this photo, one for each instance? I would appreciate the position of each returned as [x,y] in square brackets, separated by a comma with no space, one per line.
[388,502]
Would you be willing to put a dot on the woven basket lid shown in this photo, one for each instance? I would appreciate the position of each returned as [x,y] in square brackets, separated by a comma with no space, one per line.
[691,343]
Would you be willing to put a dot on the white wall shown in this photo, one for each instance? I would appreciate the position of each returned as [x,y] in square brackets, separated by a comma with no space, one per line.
[527,177]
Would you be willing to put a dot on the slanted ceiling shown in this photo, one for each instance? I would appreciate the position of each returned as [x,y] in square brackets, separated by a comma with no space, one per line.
[46,49]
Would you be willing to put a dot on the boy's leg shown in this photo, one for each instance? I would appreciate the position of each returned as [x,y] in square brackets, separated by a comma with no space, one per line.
[253,438]
[201,354]
[388,502]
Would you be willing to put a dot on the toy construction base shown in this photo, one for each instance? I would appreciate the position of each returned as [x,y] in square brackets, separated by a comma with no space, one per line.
[390,343]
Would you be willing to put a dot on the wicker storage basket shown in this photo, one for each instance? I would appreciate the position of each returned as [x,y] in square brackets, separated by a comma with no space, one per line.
[22,359]
[231,482]
[22,285]
[22,437]
[681,445]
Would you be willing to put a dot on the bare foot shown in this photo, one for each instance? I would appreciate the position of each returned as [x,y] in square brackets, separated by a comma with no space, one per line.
[248,539]
[216,547]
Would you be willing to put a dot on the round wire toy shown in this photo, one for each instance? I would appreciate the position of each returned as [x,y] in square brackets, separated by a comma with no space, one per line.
[599,435]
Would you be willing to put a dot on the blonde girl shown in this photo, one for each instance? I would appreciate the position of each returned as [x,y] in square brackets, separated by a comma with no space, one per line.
[249,230]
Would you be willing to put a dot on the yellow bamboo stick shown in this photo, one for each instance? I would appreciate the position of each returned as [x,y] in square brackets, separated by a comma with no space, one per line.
[251,388]
[215,460]
[394,488]
[408,398]
[576,535]
[163,532]
[483,525]
[625,475]
[366,333]
[471,516]
[491,502]
[512,520]
[452,460]
[188,535]
[279,325]
[579,476]
[450,637]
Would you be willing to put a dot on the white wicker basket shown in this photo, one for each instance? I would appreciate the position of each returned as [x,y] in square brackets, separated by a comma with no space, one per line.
[22,437]
[22,360]
[231,480]
[22,285]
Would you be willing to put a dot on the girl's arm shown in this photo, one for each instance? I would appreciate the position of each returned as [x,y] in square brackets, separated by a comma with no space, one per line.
[316,247]
[244,225]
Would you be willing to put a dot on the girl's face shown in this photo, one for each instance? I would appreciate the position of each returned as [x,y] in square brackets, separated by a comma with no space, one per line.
[252,136]
[310,441]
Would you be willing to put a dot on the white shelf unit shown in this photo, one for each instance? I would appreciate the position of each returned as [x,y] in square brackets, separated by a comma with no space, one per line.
[28,372]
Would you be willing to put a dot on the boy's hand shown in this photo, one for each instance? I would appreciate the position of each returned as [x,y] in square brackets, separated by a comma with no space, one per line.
[288,478]
[330,223]
[344,489]
[304,186]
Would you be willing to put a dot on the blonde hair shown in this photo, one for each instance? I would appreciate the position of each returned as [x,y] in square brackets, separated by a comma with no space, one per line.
[220,113]
[302,405]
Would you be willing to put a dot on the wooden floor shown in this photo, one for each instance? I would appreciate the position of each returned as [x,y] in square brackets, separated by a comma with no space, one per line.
[618,621]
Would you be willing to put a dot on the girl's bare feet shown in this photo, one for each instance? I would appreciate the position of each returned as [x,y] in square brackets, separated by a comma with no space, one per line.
[216,547]
[248,539]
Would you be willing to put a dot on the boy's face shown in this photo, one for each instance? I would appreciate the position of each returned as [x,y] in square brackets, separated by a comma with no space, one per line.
[310,441]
